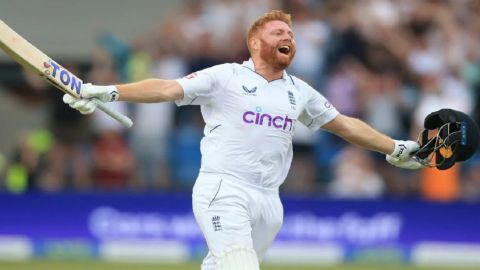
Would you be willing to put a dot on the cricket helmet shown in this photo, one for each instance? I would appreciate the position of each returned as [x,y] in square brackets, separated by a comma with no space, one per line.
[449,136]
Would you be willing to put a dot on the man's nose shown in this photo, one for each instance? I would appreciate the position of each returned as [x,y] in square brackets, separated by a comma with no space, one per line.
[287,37]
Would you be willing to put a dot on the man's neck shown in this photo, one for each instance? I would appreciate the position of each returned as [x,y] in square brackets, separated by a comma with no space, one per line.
[267,71]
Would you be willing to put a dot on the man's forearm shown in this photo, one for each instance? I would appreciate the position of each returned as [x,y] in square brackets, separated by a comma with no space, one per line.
[150,91]
[367,137]
[359,133]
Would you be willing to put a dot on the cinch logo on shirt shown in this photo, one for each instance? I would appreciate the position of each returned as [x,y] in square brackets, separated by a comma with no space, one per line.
[259,118]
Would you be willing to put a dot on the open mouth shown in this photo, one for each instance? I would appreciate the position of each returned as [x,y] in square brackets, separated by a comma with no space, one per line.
[284,49]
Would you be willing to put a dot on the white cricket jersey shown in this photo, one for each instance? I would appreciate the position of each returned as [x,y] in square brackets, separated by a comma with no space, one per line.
[250,121]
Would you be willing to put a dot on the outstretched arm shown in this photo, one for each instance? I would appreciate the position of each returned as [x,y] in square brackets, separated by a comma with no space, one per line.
[146,91]
[194,89]
[357,132]
[150,91]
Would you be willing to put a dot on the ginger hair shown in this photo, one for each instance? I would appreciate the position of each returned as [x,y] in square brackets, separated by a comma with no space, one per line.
[274,15]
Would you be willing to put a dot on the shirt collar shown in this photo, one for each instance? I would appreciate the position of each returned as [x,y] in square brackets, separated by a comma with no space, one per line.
[250,65]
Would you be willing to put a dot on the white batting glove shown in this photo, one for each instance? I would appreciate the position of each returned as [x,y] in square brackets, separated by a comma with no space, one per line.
[105,93]
[411,163]
[86,104]
[402,155]
[404,149]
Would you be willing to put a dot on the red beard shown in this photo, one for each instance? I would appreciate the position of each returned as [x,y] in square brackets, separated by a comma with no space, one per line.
[270,55]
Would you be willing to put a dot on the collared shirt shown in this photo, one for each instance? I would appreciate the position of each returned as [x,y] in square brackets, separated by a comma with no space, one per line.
[250,120]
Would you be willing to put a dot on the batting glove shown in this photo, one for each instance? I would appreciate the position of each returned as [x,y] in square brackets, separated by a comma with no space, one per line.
[404,149]
[107,93]
[411,163]
[402,155]
[86,104]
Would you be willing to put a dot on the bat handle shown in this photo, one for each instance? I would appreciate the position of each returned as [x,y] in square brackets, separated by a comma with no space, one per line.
[122,119]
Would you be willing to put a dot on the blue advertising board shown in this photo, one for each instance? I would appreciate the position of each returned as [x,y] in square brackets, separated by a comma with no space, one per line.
[87,220]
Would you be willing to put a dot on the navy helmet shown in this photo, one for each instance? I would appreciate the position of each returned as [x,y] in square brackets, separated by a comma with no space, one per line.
[449,136]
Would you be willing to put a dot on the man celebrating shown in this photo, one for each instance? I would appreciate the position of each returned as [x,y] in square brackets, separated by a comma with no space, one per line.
[250,111]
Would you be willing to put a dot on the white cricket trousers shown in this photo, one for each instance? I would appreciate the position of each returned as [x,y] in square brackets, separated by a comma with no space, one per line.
[233,213]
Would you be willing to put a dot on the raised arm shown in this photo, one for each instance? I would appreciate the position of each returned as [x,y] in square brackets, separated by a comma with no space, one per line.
[145,91]
[357,132]
[150,91]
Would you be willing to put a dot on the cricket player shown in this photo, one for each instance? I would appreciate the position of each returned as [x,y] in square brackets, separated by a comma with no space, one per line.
[250,111]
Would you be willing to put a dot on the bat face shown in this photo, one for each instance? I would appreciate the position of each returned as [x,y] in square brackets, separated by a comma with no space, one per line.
[52,70]
[35,60]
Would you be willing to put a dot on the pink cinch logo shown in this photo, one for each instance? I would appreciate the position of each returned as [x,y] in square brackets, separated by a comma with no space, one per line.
[261,119]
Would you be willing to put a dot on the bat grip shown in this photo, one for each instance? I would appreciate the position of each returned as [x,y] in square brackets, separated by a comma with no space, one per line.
[122,119]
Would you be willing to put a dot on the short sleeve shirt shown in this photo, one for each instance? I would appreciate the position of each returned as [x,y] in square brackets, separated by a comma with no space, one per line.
[250,121]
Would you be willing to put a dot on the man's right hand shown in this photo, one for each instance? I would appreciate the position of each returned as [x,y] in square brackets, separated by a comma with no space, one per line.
[86,104]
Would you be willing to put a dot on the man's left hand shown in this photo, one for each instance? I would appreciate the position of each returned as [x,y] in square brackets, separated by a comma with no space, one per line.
[404,149]
[411,163]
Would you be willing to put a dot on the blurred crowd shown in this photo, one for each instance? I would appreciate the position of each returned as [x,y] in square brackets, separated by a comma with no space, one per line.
[388,62]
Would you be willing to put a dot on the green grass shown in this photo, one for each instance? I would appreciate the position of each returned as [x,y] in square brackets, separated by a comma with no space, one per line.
[97,265]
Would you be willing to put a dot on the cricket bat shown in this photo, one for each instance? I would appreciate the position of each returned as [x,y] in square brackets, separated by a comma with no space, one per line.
[35,60]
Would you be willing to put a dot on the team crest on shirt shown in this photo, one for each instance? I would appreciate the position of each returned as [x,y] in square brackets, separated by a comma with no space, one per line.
[249,92]
[217,226]
[292,100]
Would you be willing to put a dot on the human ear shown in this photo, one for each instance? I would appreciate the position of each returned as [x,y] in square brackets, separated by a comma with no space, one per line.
[255,43]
